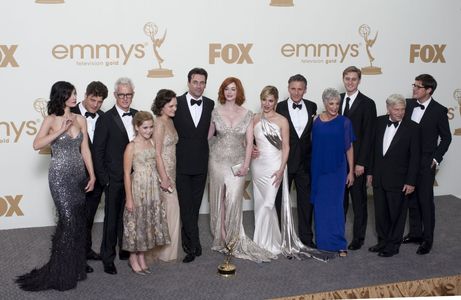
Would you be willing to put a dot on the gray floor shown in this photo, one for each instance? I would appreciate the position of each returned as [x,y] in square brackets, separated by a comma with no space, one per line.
[23,249]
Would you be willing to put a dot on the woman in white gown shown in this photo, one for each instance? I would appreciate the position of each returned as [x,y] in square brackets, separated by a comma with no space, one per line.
[271,133]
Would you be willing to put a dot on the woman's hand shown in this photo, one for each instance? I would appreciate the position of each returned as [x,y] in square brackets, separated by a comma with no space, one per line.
[129,205]
[166,185]
[90,185]
[243,171]
[278,176]
[350,179]
[66,123]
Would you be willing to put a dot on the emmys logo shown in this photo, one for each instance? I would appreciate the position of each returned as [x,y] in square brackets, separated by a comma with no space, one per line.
[49,1]
[99,54]
[151,30]
[427,53]
[9,205]
[364,31]
[281,3]
[457,97]
[11,132]
[7,56]
[230,53]
[320,53]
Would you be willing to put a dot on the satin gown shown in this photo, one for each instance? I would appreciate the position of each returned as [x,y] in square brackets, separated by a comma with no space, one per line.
[267,232]
[67,179]
[169,252]
[226,191]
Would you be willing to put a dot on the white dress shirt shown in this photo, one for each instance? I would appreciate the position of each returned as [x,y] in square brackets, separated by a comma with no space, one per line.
[90,122]
[195,110]
[418,113]
[299,117]
[127,123]
[389,134]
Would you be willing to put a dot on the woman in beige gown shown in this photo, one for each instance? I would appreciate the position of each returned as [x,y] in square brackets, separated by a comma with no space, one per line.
[231,143]
[166,137]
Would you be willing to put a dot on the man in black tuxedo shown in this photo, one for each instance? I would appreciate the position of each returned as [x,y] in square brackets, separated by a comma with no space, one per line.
[114,130]
[395,169]
[90,108]
[300,114]
[361,110]
[433,120]
[192,122]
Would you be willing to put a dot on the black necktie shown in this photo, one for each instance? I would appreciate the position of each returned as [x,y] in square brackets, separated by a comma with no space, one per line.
[389,123]
[346,109]
[127,114]
[89,114]
[193,102]
[297,106]
[420,106]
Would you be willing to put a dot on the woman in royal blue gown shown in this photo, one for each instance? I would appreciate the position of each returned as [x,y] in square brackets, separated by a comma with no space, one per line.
[332,153]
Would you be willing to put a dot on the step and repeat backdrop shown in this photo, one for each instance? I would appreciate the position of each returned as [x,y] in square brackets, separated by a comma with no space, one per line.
[156,43]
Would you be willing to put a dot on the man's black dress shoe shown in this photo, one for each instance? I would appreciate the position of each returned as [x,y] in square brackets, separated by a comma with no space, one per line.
[198,251]
[91,255]
[123,255]
[376,248]
[189,257]
[425,248]
[385,253]
[412,240]
[110,268]
[355,245]
[89,269]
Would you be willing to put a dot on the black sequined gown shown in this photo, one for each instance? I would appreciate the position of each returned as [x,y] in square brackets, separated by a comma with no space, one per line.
[67,179]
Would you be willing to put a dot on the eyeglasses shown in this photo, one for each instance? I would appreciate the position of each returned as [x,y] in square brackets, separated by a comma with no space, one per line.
[123,96]
[418,86]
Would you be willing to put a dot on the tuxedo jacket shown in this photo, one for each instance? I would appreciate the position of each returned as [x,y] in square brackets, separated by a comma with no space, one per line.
[400,164]
[192,147]
[76,110]
[362,114]
[300,147]
[109,142]
[433,125]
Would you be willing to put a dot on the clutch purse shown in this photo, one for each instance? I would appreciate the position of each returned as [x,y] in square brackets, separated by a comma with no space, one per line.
[235,169]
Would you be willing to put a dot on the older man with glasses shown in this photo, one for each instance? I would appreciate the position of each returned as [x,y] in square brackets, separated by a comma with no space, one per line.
[114,130]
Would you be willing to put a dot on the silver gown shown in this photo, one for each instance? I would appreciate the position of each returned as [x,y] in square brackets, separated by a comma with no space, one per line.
[67,179]
[267,231]
[227,149]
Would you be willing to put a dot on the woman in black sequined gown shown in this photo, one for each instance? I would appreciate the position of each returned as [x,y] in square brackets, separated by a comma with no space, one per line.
[67,134]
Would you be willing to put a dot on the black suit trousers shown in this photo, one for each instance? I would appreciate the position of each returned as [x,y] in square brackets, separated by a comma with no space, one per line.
[390,214]
[113,221]
[190,190]
[358,192]
[303,203]
[91,206]
[422,207]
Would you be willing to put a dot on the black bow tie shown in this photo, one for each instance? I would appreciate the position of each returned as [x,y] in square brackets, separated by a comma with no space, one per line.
[297,106]
[127,114]
[193,102]
[420,106]
[89,114]
[389,123]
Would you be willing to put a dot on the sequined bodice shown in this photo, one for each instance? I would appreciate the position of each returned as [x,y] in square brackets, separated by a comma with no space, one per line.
[144,160]
[229,143]
[65,147]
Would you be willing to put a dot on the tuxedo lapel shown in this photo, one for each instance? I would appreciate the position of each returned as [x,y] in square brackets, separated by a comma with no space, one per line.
[283,110]
[310,117]
[398,135]
[427,114]
[118,121]
[355,104]
[187,112]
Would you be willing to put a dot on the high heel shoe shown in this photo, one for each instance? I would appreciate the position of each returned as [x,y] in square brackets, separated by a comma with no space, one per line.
[136,272]
[147,270]
[342,253]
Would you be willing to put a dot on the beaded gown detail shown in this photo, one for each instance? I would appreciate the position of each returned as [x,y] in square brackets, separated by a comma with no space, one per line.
[227,149]
[67,179]
[146,226]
